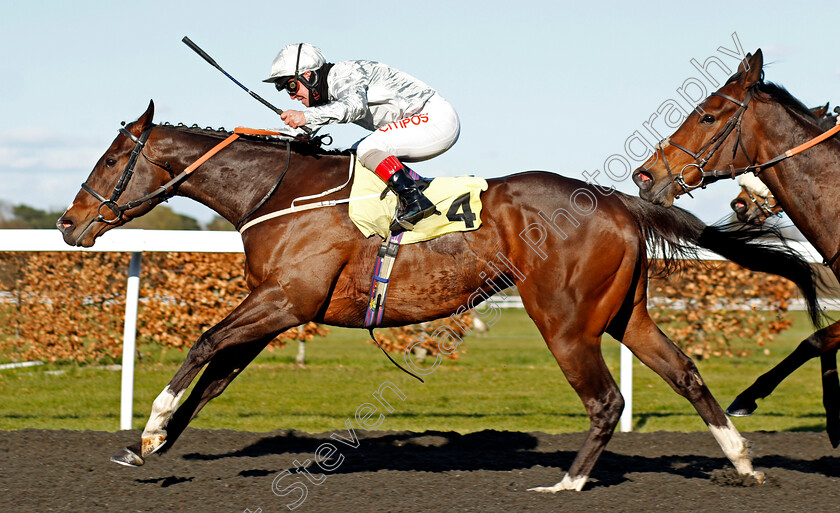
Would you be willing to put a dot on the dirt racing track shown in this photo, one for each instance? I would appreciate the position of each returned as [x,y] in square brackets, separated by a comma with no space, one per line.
[228,471]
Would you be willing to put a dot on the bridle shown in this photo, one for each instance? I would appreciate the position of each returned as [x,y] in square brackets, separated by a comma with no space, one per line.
[732,124]
[111,204]
[714,144]
[170,188]
[763,203]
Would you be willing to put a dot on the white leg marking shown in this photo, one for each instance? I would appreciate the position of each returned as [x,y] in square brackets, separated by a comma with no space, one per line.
[735,448]
[568,483]
[162,410]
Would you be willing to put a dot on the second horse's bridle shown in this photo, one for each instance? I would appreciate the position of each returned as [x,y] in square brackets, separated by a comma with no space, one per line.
[703,155]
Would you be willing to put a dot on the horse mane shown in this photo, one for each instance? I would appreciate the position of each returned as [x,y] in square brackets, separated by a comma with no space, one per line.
[768,91]
[303,147]
[771,92]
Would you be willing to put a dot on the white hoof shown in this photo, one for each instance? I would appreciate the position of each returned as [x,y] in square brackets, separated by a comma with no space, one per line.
[568,483]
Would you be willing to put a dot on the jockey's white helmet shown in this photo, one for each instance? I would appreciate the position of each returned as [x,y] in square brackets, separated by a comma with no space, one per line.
[296,59]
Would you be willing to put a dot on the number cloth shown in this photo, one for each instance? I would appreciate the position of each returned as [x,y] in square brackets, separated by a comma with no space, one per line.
[456,198]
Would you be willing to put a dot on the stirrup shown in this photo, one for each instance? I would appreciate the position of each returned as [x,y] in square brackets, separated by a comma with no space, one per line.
[400,224]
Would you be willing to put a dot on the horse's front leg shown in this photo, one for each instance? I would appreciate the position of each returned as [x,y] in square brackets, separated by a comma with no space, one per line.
[745,403]
[226,349]
[824,343]
[831,396]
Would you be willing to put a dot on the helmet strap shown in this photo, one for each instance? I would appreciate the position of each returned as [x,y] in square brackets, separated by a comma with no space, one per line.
[297,62]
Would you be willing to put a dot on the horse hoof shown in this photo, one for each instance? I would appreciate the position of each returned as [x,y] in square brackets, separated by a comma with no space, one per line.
[833,430]
[127,457]
[567,483]
[152,444]
[741,408]
[543,489]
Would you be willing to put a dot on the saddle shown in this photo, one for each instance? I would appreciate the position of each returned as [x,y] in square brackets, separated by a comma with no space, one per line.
[372,210]
[457,198]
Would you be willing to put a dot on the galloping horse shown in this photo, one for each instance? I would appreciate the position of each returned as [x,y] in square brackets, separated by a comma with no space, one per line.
[576,252]
[750,125]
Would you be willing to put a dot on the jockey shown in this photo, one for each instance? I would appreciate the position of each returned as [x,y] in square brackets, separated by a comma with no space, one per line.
[410,121]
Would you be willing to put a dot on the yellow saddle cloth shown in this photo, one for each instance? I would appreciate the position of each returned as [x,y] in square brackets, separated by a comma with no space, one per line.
[456,198]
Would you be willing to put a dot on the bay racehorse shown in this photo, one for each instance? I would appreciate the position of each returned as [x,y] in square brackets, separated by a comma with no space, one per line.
[576,252]
[750,125]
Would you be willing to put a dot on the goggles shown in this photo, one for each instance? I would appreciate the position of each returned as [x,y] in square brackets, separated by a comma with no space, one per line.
[290,85]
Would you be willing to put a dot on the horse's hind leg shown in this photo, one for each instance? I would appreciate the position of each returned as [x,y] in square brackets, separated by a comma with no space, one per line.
[659,353]
[226,349]
[584,368]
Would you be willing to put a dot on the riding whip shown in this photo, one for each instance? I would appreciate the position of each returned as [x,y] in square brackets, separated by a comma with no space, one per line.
[213,63]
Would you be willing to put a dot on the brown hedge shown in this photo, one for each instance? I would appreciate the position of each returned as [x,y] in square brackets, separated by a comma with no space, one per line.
[722,309]
[70,306]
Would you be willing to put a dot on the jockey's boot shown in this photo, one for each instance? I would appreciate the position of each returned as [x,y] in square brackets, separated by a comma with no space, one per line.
[413,205]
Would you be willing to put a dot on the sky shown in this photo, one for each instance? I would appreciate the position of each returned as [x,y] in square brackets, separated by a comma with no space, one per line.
[570,89]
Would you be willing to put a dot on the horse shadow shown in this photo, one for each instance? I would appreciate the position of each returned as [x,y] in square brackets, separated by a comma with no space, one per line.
[489,450]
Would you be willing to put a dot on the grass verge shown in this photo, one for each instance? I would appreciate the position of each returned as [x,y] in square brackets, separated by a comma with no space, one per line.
[506,381]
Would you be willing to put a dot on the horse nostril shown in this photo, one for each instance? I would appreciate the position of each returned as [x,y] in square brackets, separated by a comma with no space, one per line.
[739,206]
[643,179]
[65,225]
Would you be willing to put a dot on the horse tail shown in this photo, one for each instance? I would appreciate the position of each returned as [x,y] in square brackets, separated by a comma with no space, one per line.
[675,234]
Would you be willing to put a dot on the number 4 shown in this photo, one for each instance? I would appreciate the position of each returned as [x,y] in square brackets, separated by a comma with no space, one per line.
[462,203]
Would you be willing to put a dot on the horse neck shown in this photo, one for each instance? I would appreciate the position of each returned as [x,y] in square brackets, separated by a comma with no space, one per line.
[807,185]
[236,179]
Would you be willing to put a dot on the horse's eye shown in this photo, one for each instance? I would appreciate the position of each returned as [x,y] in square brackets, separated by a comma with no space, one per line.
[110,162]
[708,119]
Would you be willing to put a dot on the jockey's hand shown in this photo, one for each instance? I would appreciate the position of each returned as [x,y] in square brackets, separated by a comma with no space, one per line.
[293,118]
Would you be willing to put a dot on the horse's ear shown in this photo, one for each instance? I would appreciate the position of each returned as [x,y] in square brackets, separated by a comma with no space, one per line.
[750,68]
[820,111]
[144,121]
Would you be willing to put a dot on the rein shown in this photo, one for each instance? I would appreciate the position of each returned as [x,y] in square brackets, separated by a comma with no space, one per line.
[168,189]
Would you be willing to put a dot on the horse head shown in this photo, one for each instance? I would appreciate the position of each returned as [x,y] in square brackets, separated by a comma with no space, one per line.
[755,203]
[710,135]
[111,195]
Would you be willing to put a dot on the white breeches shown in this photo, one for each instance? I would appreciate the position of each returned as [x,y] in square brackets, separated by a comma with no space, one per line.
[418,137]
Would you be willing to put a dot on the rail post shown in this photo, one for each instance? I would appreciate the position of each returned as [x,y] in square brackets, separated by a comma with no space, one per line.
[132,299]
[626,385]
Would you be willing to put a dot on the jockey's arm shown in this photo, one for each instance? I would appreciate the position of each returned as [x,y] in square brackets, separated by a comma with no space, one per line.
[350,104]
